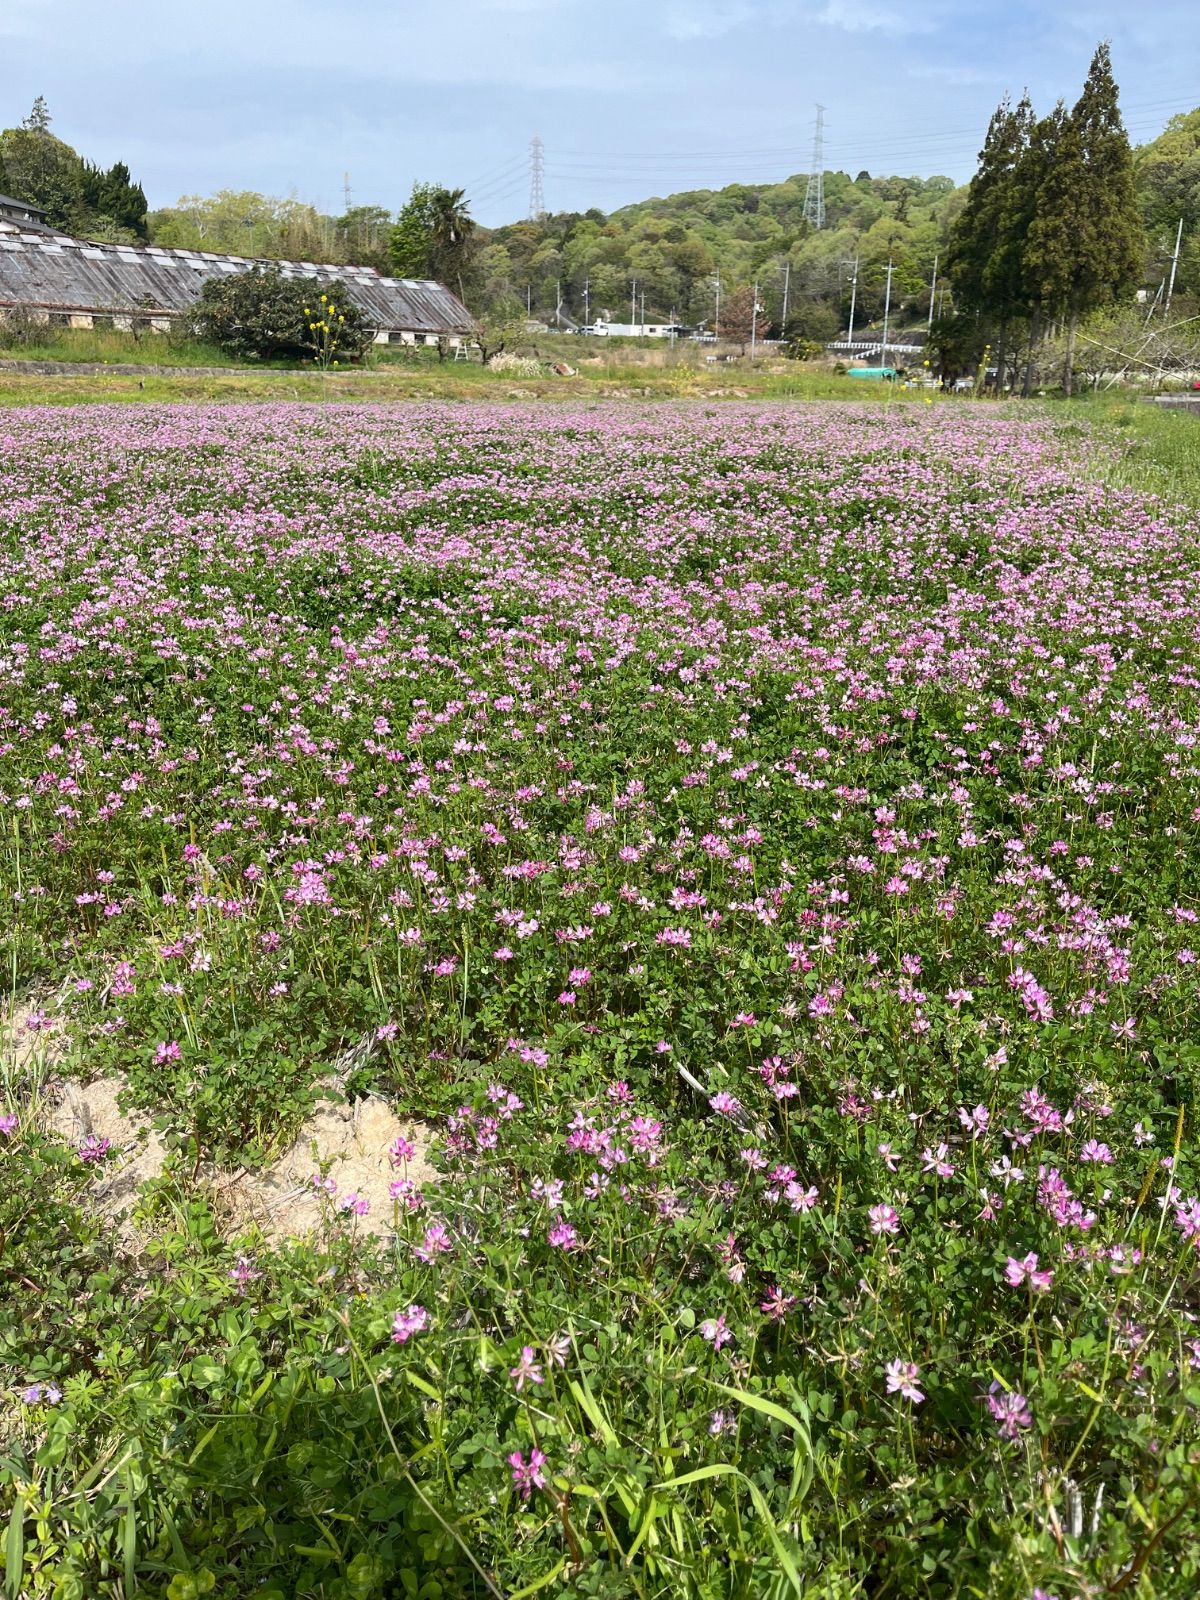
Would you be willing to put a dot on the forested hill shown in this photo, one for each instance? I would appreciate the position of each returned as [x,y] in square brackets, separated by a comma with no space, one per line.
[673,248]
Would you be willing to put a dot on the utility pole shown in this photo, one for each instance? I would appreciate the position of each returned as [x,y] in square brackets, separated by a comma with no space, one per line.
[887,307]
[754,321]
[587,303]
[633,305]
[717,317]
[346,190]
[787,278]
[1174,264]
[853,301]
[537,174]
[558,302]
[932,293]
[814,195]
[643,322]
[529,300]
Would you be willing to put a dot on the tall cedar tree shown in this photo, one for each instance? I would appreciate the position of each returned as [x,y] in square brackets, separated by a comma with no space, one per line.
[1005,284]
[1086,245]
[980,256]
[1041,222]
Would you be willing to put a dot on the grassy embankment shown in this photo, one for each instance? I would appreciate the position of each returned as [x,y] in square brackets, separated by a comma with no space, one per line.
[403,373]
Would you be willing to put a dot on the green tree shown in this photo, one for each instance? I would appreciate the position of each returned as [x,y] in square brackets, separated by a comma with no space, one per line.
[451,238]
[362,236]
[113,201]
[1086,244]
[499,329]
[44,171]
[434,236]
[983,257]
[39,118]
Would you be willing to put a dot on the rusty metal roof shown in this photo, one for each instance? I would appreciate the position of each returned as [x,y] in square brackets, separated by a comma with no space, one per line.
[55,273]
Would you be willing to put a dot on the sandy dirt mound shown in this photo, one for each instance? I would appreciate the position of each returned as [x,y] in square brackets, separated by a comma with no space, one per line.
[354,1140]
[31,1040]
[136,1153]
[349,1142]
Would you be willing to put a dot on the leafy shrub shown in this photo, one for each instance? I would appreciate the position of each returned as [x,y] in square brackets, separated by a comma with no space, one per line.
[263,314]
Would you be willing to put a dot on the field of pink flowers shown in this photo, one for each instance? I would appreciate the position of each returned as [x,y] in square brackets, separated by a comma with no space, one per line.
[762,842]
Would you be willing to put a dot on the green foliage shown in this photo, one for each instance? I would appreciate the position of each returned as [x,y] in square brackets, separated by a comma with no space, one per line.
[500,328]
[77,196]
[242,223]
[1167,173]
[410,246]
[1051,228]
[984,251]
[263,314]
[434,237]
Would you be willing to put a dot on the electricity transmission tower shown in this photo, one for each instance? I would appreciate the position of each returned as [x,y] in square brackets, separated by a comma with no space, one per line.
[537,170]
[814,195]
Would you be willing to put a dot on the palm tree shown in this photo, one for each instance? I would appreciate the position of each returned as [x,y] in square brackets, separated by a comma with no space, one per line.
[451,236]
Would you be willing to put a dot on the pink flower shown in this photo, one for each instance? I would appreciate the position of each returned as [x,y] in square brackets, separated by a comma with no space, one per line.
[727,1105]
[8,1124]
[526,1369]
[777,1304]
[714,1330]
[562,1236]
[435,1243]
[406,1323]
[935,1161]
[1010,1410]
[244,1273]
[800,1199]
[1093,1150]
[902,1380]
[527,1475]
[93,1149]
[401,1150]
[974,1121]
[884,1220]
[167,1051]
[1026,1270]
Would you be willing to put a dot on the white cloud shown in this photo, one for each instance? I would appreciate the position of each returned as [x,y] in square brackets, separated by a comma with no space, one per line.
[706,19]
[852,16]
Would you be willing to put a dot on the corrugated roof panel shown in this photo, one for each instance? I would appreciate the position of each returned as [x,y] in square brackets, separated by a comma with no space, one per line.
[57,273]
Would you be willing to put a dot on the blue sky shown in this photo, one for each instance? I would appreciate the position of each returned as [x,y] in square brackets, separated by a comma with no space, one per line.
[631,98]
